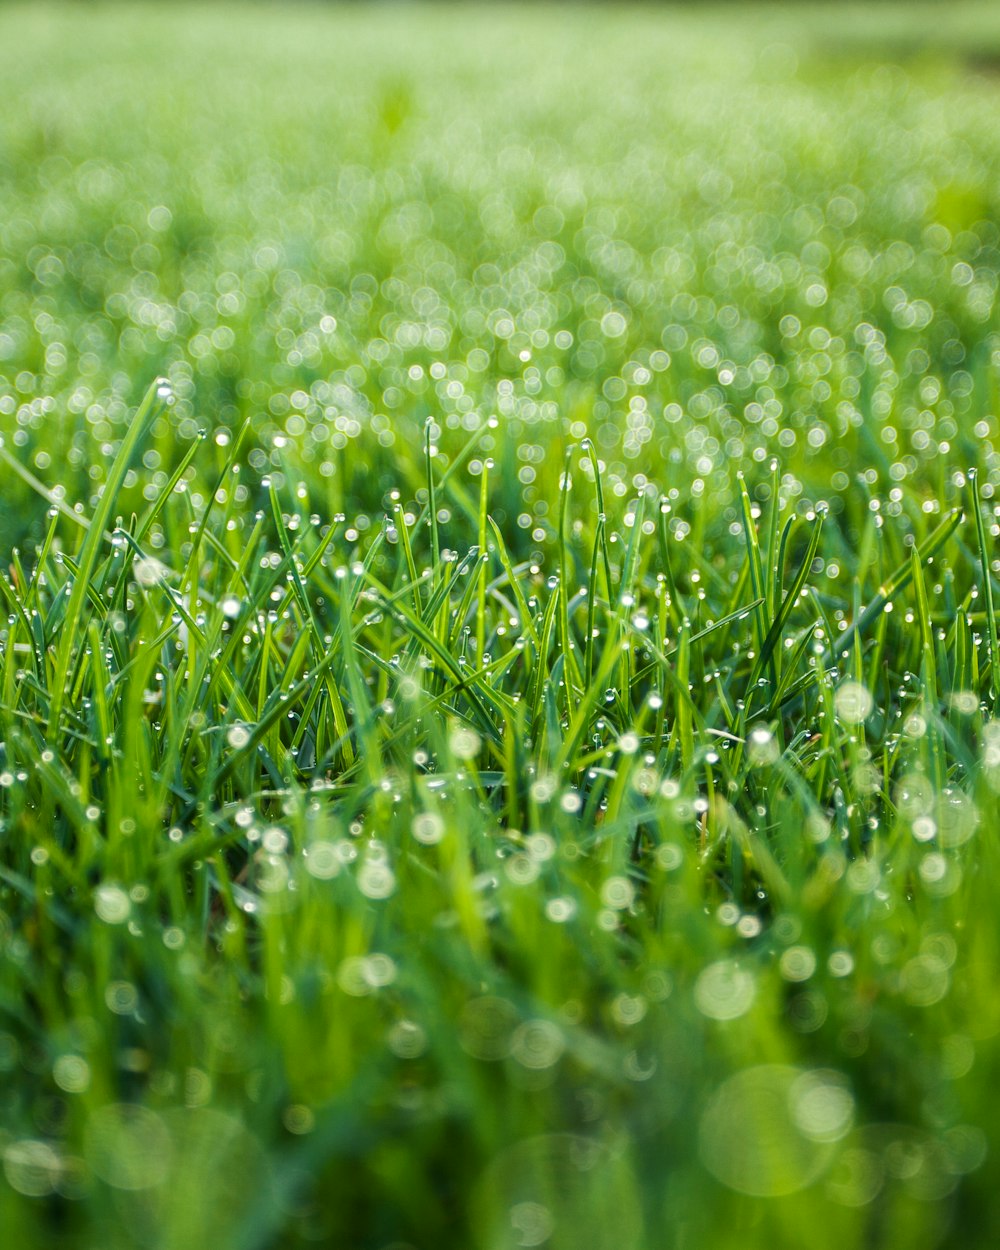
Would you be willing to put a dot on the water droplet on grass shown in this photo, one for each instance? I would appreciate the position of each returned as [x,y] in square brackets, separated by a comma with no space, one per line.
[112,904]
[853,703]
[749,1137]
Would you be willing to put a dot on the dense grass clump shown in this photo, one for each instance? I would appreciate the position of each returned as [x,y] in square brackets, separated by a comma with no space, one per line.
[499,740]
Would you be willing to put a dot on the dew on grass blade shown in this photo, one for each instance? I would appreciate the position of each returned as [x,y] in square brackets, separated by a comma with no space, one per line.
[560,910]
[428,828]
[856,1178]
[618,893]
[561,1191]
[71,1073]
[148,571]
[128,1146]
[237,736]
[112,903]
[570,801]
[750,1138]
[485,1027]
[628,1009]
[724,990]
[939,876]
[896,1161]
[121,997]
[299,1119]
[762,747]
[31,1167]
[464,742]
[957,817]
[521,869]
[352,977]
[271,876]
[797,963]
[822,1105]
[274,840]
[669,856]
[537,1044]
[322,860]
[532,1223]
[924,980]
[376,880]
[853,703]
[407,1039]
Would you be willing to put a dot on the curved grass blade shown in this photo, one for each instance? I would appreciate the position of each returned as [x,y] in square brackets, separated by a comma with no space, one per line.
[153,403]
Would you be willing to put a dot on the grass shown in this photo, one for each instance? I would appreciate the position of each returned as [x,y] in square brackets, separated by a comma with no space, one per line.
[498,696]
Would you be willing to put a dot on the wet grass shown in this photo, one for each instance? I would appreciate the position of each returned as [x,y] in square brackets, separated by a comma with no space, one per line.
[498,730]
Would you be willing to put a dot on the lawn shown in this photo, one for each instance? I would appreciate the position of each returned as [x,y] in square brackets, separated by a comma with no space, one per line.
[499,731]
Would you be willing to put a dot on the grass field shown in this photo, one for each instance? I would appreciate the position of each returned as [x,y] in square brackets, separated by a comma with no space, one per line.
[498,695]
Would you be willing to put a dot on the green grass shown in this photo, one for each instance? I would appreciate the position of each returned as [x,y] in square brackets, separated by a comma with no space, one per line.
[498,699]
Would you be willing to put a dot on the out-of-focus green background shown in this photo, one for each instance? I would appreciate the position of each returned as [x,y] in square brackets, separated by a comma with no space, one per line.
[264,200]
